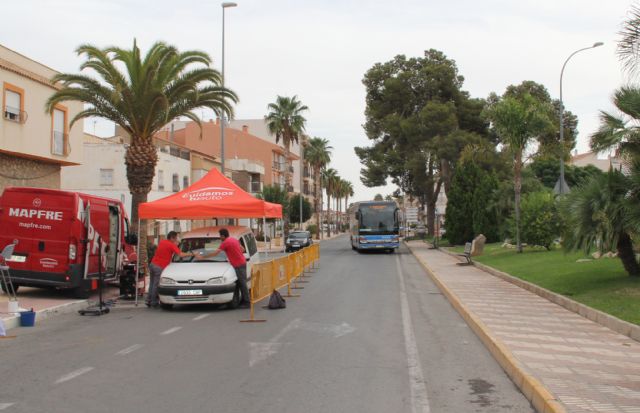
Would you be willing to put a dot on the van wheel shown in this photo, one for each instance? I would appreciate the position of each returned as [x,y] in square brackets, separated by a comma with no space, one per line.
[165,306]
[5,288]
[235,301]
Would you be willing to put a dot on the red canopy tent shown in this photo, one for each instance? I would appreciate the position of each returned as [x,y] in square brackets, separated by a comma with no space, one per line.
[213,196]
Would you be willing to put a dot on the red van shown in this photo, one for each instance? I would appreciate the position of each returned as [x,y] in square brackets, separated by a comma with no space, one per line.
[61,235]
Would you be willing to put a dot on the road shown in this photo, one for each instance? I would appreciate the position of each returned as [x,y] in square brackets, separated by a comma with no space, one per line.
[369,333]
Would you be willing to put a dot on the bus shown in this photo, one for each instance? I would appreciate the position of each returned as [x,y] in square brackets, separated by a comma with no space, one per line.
[374,225]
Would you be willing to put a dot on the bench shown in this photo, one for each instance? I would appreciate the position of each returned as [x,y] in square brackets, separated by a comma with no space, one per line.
[466,254]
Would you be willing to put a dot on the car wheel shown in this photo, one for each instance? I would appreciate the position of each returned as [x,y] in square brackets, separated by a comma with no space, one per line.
[165,306]
[235,301]
[5,288]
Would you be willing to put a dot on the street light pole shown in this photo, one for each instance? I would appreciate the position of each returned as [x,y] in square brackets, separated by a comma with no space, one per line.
[301,177]
[222,117]
[561,182]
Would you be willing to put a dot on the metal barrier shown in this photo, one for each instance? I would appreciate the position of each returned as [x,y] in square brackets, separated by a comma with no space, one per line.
[273,275]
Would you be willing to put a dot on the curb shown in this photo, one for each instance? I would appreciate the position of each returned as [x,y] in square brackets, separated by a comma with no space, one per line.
[46,313]
[539,396]
[606,320]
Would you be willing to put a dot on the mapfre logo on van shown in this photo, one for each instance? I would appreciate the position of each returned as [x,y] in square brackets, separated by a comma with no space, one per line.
[212,193]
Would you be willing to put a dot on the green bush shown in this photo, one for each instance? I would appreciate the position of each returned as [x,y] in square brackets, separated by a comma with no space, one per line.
[540,221]
[313,229]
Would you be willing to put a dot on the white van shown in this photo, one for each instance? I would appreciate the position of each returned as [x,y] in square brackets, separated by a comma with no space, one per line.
[208,281]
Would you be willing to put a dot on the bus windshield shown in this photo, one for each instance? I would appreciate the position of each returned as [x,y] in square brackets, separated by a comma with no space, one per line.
[378,219]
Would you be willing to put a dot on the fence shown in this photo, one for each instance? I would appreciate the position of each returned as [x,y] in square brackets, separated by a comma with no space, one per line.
[269,276]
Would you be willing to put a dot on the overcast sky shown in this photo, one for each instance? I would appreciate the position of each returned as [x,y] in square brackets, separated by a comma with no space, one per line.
[320,50]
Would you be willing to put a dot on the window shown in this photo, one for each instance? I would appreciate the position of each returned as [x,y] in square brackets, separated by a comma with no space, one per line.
[185,182]
[59,136]
[176,183]
[106,177]
[13,106]
[160,180]
[253,248]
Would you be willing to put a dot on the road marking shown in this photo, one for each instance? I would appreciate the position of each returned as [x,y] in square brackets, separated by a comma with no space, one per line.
[5,405]
[201,316]
[171,330]
[261,351]
[74,374]
[336,330]
[419,398]
[129,349]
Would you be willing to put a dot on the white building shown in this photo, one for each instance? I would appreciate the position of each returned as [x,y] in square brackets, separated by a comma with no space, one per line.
[103,173]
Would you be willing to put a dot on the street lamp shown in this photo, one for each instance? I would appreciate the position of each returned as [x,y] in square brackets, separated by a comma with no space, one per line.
[562,185]
[222,117]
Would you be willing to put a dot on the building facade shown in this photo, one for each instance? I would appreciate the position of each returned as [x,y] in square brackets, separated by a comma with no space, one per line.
[34,146]
[103,173]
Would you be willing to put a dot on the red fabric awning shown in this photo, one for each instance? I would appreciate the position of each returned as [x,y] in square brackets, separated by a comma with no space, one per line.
[213,196]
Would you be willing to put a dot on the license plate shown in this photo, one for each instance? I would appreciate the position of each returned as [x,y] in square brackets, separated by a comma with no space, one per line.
[17,258]
[295,245]
[189,292]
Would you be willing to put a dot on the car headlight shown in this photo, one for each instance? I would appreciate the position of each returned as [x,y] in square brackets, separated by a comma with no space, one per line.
[167,281]
[396,239]
[215,281]
[363,240]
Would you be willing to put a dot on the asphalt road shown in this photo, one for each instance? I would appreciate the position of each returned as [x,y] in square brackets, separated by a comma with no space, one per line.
[370,333]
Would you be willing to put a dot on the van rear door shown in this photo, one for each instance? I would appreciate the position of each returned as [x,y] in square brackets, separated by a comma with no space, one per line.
[41,222]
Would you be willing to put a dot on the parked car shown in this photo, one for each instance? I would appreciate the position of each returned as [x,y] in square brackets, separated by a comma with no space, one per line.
[208,281]
[297,240]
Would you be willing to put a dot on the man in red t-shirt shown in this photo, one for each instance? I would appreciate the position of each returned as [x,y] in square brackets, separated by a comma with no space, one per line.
[235,255]
[161,259]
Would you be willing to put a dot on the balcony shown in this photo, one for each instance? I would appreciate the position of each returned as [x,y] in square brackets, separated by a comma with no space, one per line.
[15,115]
[60,143]
[306,173]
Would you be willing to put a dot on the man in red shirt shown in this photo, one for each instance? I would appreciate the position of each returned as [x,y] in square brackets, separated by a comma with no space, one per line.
[235,255]
[161,259]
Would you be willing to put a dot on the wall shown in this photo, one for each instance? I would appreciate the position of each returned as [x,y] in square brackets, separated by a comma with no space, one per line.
[16,171]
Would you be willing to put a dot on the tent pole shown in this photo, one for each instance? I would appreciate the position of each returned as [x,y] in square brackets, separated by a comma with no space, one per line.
[137,264]
[264,231]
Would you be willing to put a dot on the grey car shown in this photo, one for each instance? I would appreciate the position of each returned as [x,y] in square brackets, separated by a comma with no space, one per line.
[297,240]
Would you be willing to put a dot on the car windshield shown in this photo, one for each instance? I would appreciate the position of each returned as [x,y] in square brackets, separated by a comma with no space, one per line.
[298,235]
[203,245]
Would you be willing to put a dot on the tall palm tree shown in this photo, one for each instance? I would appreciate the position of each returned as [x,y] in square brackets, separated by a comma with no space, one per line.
[602,213]
[628,50]
[348,192]
[141,94]
[318,155]
[518,121]
[338,195]
[329,179]
[286,122]
[621,133]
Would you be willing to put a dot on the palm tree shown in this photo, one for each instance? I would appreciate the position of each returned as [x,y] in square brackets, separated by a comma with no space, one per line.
[286,122]
[348,192]
[621,133]
[602,213]
[318,155]
[339,193]
[628,51]
[518,121]
[329,178]
[142,94]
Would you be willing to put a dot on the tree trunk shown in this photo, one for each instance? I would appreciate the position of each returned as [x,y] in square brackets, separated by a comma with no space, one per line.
[287,184]
[626,255]
[328,215]
[140,159]
[517,188]
[315,199]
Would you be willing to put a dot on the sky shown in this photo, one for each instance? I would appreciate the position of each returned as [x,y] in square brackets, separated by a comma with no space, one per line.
[320,50]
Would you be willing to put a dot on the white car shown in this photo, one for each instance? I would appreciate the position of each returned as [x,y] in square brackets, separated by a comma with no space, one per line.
[208,281]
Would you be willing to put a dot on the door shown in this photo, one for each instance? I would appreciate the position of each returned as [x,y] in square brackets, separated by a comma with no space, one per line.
[114,244]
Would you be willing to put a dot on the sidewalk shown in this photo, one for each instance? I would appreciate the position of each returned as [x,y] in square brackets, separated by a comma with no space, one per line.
[46,303]
[560,360]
